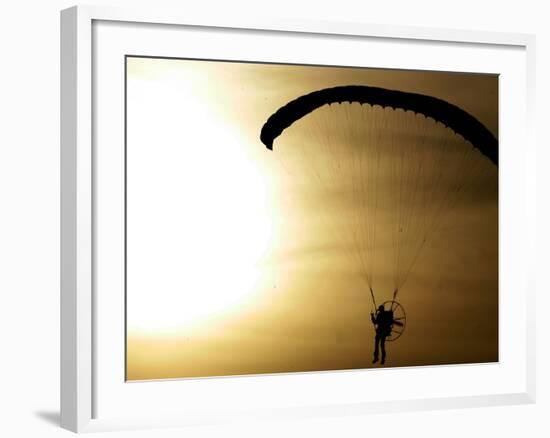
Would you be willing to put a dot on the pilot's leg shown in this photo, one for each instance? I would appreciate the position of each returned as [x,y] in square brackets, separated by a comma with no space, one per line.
[376,343]
[383,347]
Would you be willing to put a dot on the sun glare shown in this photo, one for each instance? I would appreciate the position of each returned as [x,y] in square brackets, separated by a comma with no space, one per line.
[211,201]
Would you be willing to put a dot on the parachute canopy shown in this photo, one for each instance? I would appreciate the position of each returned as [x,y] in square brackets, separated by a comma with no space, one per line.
[450,115]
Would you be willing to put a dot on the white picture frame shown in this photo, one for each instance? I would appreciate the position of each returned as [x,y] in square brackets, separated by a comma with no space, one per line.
[81,44]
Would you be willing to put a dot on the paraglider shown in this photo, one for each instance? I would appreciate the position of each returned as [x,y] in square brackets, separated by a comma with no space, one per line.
[402,159]
[384,321]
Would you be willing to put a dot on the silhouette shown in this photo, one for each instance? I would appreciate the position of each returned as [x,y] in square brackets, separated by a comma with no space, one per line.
[367,151]
[383,322]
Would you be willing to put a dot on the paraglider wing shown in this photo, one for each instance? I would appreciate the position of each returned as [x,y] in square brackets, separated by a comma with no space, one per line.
[450,115]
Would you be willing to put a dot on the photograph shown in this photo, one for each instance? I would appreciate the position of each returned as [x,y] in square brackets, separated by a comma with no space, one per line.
[287,218]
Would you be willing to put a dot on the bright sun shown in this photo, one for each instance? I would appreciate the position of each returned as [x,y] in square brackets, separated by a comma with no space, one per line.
[198,222]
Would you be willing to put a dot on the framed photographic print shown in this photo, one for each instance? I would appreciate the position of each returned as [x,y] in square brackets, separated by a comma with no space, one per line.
[270,220]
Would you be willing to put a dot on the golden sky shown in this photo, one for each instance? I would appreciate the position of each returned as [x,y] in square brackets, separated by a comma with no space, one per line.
[239,263]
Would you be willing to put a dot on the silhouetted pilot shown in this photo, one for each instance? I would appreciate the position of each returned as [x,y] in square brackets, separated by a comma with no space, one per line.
[383,322]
